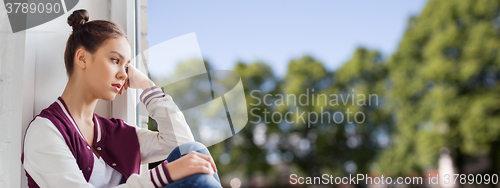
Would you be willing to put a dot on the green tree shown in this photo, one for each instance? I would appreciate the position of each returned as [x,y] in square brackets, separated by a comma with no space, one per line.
[241,156]
[443,90]
[363,76]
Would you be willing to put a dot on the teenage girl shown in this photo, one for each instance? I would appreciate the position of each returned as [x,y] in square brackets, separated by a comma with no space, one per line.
[68,145]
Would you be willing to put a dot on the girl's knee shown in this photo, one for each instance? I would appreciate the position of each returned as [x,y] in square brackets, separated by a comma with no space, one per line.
[195,145]
[192,146]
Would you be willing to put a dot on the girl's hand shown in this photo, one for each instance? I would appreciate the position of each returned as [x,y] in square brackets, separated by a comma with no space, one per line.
[125,86]
[189,164]
[135,80]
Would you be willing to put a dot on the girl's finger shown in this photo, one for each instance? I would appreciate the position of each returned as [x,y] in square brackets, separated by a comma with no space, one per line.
[205,168]
[207,158]
[126,84]
[200,165]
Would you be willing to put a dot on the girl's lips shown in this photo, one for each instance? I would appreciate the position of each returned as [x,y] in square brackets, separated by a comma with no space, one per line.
[117,87]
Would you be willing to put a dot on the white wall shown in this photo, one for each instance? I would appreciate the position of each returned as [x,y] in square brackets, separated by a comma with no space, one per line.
[11,102]
[32,76]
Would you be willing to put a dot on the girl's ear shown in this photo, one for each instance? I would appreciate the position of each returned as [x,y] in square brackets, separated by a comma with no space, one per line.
[81,57]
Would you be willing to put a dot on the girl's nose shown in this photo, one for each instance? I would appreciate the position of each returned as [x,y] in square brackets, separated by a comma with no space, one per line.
[122,74]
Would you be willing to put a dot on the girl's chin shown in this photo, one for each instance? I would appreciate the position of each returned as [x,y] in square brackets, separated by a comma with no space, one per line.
[110,97]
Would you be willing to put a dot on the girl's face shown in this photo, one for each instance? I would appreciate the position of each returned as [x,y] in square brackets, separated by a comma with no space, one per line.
[105,74]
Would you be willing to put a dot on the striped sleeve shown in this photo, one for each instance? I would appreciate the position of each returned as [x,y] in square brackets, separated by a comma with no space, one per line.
[157,177]
[172,127]
[160,175]
[151,93]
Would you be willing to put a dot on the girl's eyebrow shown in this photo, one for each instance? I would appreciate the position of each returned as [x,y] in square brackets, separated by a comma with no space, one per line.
[119,54]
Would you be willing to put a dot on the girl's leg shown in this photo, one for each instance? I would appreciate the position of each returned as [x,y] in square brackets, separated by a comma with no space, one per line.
[196,180]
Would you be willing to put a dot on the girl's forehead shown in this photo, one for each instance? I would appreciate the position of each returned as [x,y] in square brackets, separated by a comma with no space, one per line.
[119,46]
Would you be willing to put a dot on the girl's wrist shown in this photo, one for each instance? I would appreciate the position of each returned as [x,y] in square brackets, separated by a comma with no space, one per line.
[148,85]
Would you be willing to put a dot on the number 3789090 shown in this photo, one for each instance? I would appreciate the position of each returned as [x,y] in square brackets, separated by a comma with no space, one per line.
[470,179]
[32,8]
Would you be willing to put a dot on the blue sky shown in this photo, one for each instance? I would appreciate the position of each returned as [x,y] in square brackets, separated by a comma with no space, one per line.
[277,31]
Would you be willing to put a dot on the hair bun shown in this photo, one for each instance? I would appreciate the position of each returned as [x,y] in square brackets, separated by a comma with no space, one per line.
[78,18]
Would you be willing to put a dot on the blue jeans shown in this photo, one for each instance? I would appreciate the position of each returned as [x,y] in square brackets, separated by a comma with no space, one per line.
[196,180]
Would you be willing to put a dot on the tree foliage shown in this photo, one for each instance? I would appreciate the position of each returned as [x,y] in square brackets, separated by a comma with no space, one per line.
[444,91]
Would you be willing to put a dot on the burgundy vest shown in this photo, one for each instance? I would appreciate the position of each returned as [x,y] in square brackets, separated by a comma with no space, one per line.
[115,141]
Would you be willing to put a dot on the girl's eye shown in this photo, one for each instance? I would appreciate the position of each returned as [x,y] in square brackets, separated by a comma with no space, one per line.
[115,60]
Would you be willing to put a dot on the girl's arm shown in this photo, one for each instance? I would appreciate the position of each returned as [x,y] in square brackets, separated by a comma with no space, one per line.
[172,126]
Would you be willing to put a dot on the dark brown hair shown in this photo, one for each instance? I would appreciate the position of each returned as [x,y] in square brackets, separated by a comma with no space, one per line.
[89,35]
